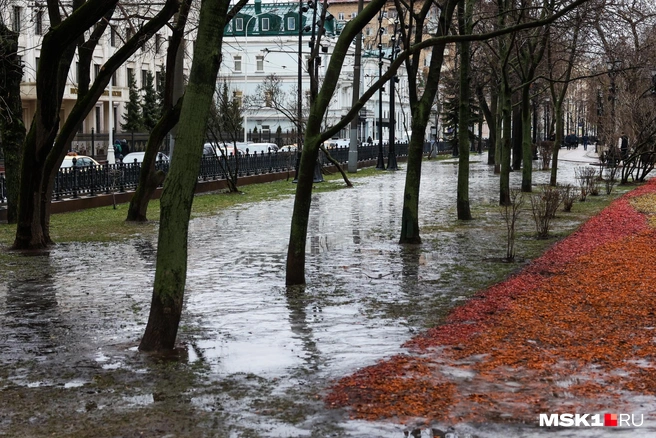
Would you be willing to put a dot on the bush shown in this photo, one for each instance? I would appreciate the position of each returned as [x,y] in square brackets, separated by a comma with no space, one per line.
[544,205]
[567,194]
[510,213]
[588,182]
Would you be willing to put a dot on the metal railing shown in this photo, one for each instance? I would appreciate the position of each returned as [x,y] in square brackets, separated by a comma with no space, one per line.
[73,182]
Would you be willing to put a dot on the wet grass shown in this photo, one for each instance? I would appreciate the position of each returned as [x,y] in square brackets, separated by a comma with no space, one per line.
[107,224]
[470,256]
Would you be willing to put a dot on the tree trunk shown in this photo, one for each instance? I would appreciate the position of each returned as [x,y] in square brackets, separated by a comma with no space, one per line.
[420,112]
[506,113]
[46,144]
[149,177]
[12,128]
[490,119]
[527,145]
[462,197]
[295,274]
[516,138]
[177,197]
[558,115]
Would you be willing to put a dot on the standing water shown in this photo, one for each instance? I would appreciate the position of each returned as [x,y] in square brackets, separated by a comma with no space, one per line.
[256,356]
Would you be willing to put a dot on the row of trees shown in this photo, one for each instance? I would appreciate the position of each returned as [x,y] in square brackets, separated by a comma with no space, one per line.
[509,54]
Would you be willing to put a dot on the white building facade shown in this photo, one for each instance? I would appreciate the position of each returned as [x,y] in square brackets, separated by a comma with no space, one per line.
[30,20]
[263,40]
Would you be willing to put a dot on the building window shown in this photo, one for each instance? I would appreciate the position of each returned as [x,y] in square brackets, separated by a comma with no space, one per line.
[114,81]
[112,36]
[129,33]
[259,63]
[144,78]
[237,64]
[239,24]
[340,15]
[130,75]
[265,24]
[38,25]
[17,18]
[237,96]
[96,71]
[354,14]
[36,63]
[159,81]
[268,98]
[291,23]
[97,119]
[158,42]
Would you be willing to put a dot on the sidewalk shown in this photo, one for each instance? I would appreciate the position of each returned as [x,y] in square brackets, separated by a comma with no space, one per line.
[579,155]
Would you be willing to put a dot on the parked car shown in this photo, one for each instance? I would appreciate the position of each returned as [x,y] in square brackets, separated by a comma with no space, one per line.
[288,148]
[138,157]
[258,148]
[80,161]
[214,149]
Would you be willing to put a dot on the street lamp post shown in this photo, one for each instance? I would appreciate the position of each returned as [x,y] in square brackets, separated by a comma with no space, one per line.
[391,156]
[600,113]
[380,164]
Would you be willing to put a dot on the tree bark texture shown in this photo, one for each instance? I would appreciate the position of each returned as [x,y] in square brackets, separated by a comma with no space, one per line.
[178,194]
[527,144]
[506,136]
[462,196]
[420,111]
[12,128]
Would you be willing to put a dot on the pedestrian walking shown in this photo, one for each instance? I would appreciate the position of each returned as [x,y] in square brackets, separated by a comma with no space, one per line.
[624,146]
[585,142]
[433,148]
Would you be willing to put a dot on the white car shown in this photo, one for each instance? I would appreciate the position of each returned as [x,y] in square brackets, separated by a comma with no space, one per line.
[80,161]
[138,157]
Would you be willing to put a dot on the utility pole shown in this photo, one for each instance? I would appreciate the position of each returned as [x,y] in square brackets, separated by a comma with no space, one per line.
[353,143]
[391,154]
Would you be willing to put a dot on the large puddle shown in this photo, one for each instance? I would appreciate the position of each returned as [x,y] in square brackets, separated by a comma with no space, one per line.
[81,308]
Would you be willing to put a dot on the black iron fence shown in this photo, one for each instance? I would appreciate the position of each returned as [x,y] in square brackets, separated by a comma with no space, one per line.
[73,182]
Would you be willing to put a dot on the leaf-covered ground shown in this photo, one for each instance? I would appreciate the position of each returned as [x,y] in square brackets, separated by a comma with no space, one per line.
[573,332]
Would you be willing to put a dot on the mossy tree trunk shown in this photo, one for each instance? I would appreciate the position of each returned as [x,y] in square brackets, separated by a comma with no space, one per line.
[12,128]
[420,108]
[295,269]
[177,197]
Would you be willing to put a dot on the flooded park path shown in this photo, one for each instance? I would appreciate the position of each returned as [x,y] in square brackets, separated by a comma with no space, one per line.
[255,357]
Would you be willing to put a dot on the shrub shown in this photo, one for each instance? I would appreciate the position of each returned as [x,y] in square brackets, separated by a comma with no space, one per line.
[544,204]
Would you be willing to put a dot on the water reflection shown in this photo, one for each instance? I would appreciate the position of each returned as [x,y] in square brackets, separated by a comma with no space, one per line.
[366,294]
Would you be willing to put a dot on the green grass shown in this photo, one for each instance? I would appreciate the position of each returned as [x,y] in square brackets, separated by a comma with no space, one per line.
[105,224]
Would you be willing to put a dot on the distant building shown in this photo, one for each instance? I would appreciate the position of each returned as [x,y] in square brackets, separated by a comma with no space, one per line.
[263,40]
[31,20]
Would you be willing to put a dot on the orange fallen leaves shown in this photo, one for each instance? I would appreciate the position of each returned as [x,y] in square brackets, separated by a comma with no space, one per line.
[575,330]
